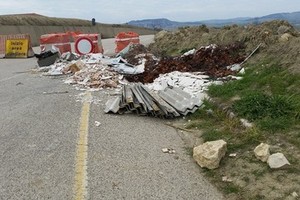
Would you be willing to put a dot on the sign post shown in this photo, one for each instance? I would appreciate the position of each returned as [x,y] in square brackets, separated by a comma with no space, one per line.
[16,48]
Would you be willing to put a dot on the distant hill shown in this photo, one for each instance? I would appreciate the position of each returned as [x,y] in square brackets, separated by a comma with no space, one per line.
[293,18]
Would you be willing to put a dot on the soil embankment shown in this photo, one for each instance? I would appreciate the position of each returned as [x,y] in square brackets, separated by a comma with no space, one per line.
[37,25]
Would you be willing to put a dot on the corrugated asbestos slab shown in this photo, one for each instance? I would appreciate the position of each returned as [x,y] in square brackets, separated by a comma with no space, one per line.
[168,103]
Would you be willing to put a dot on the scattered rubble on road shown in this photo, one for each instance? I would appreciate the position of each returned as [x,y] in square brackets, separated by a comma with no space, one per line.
[171,86]
[168,150]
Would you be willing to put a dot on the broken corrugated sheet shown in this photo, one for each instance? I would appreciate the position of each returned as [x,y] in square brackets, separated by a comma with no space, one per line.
[167,103]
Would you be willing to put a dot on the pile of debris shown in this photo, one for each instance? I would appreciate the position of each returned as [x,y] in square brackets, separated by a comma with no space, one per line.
[167,103]
[134,53]
[213,60]
[174,86]
[92,70]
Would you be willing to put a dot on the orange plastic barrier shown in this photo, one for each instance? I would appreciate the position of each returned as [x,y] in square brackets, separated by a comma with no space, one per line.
[96,40]
[3,39]
[59,40]
[125,38]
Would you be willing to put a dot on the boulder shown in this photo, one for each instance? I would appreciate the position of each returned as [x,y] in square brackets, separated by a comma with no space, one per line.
[262,152]
[210,154]
[277,160]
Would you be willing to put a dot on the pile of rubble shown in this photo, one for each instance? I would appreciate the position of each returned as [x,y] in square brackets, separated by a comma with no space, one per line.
[173,86]
[213,60]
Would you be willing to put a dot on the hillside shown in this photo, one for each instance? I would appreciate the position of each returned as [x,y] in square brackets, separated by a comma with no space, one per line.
[293,18]
[37,25]
[40,20]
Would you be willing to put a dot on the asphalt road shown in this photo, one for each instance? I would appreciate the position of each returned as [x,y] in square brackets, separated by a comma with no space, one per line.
[50,147]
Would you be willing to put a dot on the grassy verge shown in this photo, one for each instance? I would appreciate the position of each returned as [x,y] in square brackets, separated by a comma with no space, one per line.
[269,97]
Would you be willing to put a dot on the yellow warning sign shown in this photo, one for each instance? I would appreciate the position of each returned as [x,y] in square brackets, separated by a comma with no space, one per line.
[16,48]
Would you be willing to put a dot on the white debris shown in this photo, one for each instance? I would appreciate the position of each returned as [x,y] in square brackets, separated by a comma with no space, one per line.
[193,83]
[94,71]
[235,67]
[277,160]
[97,123]
[242,71]
[168,150]
[226,179]
[232,155]
[190,52]
[246,123]
[294,194]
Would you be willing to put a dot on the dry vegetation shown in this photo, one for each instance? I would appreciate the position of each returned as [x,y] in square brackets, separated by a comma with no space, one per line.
[40,20]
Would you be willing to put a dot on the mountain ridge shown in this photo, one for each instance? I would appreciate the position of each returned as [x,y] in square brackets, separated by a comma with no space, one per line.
[164,23]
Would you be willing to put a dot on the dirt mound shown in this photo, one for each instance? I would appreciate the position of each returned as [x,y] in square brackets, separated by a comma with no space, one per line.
[278,38]
[132,56]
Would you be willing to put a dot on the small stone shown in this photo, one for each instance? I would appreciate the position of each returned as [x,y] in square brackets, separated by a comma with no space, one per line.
[262,152]
[226,179]
[168,150]
[210,154]
[246,123]
[231,115]
[165,150]
[242,71]
[294,194]
[97,123]
[277,160]
[172,151]
[232,155]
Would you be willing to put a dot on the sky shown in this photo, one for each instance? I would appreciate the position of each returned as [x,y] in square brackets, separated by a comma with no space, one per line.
[121,11]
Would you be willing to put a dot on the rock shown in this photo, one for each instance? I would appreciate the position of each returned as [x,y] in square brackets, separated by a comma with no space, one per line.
[232,155]
[165,150]
[294,194]
[97,123]
[210,154]
[74,67]
[168,150]
[277,160]
[262,152]
[246,123]
[226,179]
[285,37]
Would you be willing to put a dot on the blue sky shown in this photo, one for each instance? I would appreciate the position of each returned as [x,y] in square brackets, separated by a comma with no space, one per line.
[121,11]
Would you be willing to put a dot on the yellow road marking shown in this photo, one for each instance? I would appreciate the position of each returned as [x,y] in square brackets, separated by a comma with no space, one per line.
[80,186]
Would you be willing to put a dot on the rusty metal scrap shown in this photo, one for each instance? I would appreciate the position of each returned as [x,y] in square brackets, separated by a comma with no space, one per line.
[212,60]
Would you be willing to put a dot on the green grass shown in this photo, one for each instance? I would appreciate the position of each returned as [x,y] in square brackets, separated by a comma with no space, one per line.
[230,188]
[269,96]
